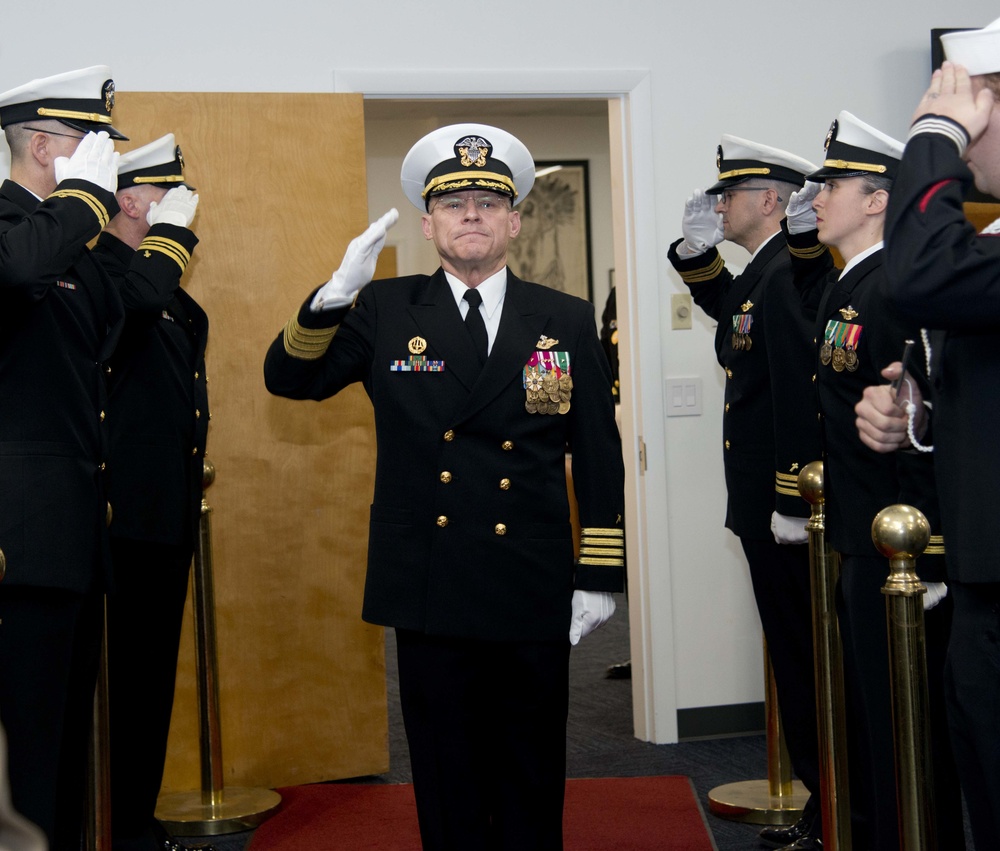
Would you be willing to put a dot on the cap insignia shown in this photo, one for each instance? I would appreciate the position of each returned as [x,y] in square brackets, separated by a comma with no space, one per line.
[473,150]
[109,95]
[831,134]
[718,158]
[180,157]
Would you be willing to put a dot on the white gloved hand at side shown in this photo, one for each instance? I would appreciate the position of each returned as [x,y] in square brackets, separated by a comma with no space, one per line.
[176,208]
[800,213]
[789,530]
[591,610]
[357,267]
[95,159]
[701,225]
[936,592]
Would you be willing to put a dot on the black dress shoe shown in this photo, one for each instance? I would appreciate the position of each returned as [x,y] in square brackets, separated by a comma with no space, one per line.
[809,843]
[784,837]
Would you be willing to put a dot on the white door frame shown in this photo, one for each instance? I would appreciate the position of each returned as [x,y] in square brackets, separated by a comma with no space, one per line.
[643,433]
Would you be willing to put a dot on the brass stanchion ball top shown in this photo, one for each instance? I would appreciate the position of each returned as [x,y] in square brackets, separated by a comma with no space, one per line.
[901,530]
[810,482]
[207,474]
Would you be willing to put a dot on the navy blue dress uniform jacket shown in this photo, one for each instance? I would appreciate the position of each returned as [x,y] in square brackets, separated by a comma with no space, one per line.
[59,320]
[859,482]
[945,277]
[158,408]
[770,430]
[470,530]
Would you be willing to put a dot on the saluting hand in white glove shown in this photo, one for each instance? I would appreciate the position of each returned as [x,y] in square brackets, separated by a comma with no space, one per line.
[176,208]
[357,267]
[800,213]
[591,609]
[95,159]
[701,225]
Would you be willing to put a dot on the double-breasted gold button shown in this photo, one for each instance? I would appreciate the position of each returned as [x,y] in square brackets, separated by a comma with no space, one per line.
[449,435]
[442,521]
[197,375]
[103,466]
[446,477]
[505,484]
[197,414]
[500,529]
[507,445]
[102,416]
[729,373]
[727,407]
[727,444]
[194,451]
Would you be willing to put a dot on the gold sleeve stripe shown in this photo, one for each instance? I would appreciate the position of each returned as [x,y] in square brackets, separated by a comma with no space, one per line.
[173,249]
[786,483]
[698,276]
[787,490]
[786,477]
[90,200]
[602,551]
[809,253]
[605,532]
[307,343]
[935,547]
[603,562]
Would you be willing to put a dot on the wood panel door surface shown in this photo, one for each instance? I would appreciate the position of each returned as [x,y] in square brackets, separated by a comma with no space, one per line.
[282,186]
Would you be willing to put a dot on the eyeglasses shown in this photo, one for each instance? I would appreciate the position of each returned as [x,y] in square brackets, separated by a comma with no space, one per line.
[727,196]
[483,203]
[52,132]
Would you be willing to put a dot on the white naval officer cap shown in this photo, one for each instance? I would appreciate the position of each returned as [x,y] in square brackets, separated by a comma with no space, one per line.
[854,148]
[159,163]
[461,157]
[739,160]
[977,50]
[81,99]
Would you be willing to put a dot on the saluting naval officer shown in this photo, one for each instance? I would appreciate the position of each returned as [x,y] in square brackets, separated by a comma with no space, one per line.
[946,277]
[857,334]
[763,342]
[59,319]
[471,550]
[158,415]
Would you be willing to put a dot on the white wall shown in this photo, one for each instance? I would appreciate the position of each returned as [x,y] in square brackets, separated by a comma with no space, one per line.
[773,71]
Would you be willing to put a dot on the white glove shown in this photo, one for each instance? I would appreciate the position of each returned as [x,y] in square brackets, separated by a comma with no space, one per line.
[95,159]
[591,610]
[701,225]
[936,592]
[176,208]
[800,213]
[357,267]
[789,530]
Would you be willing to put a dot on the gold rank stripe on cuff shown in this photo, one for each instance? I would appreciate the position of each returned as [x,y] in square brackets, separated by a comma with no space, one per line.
[90,200]
[808,253]
[173,249]
[935,547]
[600,546]
[307,343]
[706,273]
[787,483]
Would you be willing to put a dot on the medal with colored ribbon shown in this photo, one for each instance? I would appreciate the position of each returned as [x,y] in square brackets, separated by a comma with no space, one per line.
[547,383]
[742,322]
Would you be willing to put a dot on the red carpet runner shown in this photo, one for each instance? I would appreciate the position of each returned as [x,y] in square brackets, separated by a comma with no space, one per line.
[619,814]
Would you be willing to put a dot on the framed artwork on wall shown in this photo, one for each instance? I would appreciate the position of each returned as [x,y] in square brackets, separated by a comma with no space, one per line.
[553,247]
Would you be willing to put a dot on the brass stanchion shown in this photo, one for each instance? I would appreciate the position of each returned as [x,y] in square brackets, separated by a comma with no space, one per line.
[215,809]
[901,533]
[831,718]
[97,828]
[778,799]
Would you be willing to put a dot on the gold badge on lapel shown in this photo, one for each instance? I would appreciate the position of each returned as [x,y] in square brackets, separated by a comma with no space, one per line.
[746,306]
[545,343]
[417,346]
[848,313]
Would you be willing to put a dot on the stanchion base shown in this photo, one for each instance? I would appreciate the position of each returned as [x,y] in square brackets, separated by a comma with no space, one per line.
[751,801]
[185,813]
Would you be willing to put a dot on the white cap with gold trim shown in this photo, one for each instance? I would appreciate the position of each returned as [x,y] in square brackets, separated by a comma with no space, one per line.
[159,163]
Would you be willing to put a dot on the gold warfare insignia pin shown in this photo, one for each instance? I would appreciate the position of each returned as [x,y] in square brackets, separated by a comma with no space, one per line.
[746,306]
[545,343]
[417,346]
[848,313]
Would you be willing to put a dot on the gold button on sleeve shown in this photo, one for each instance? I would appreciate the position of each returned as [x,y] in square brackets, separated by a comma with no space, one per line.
[442,521]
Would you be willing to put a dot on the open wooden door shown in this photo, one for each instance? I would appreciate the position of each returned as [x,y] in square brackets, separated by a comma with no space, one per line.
[282,184]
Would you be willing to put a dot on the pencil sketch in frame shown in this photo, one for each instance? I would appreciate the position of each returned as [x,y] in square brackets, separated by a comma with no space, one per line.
[553,247]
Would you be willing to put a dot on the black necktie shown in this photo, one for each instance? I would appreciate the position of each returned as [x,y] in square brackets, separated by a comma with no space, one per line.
[475,325]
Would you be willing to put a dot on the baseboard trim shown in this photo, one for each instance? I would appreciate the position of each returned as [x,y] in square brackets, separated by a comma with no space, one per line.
[718,722]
